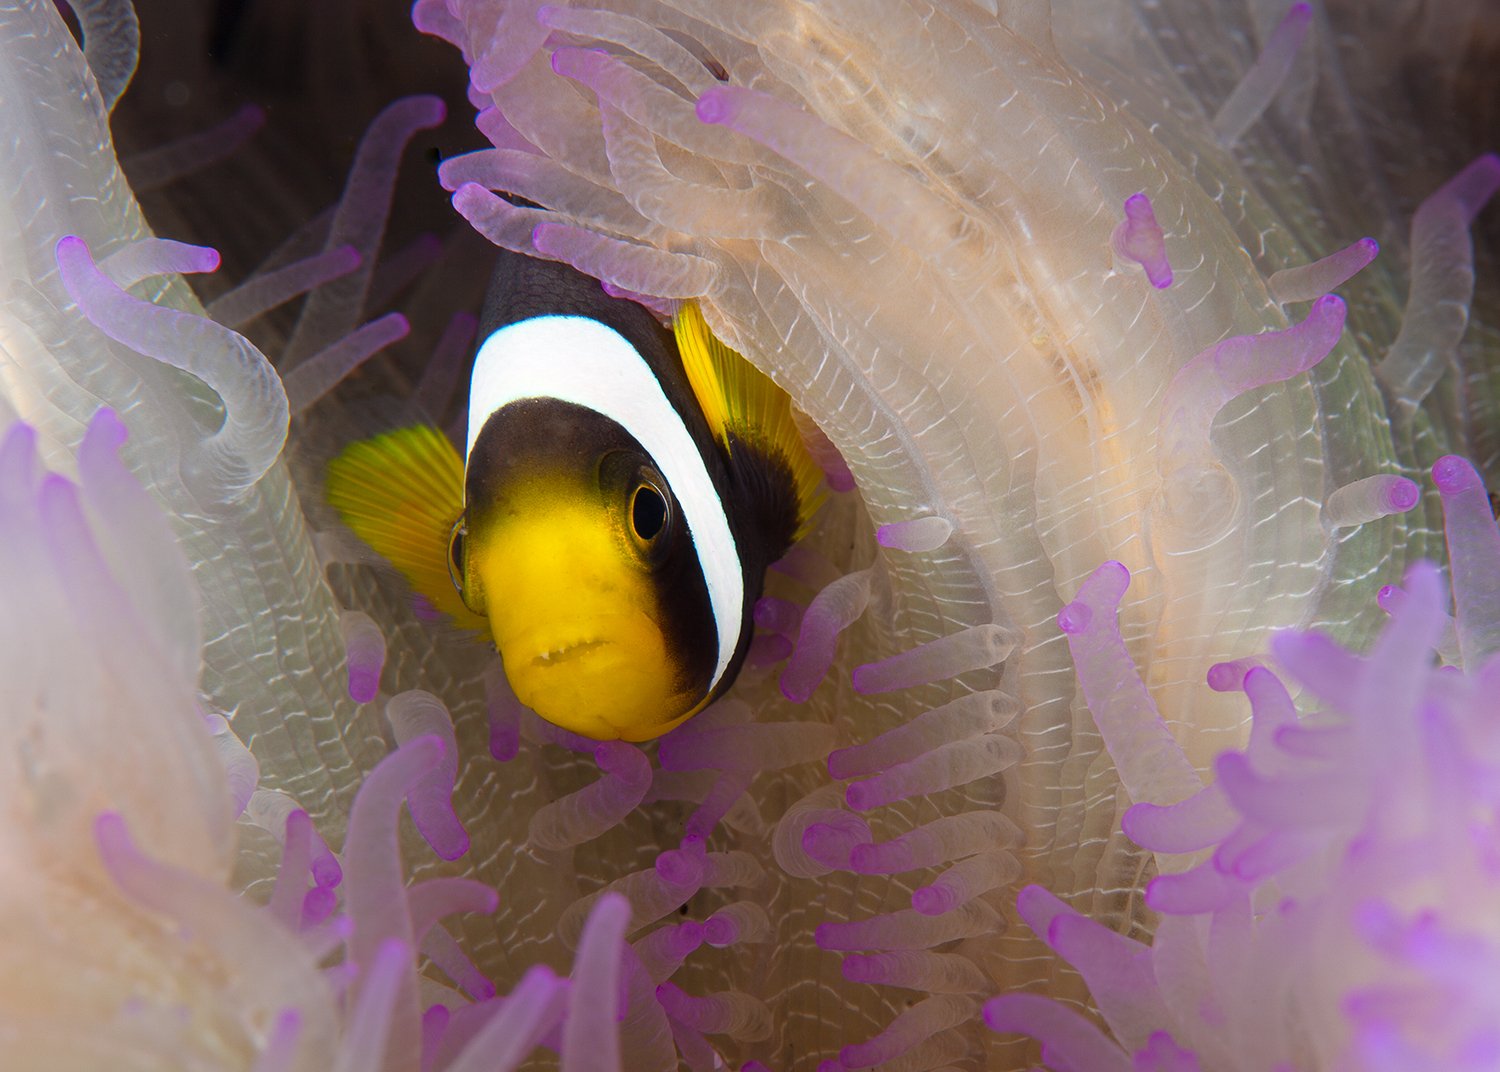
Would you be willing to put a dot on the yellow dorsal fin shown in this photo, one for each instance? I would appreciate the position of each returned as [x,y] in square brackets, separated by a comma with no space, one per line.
[737,397]
[401,492]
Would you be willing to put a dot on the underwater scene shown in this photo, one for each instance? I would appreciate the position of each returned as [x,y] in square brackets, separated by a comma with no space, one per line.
[1047,615]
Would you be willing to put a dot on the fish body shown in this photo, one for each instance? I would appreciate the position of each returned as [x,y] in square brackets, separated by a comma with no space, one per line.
[622,490]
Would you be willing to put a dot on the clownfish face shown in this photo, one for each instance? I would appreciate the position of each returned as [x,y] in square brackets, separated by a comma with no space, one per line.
[578,553]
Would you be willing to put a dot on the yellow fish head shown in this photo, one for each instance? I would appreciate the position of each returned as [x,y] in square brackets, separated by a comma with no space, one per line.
[574,571]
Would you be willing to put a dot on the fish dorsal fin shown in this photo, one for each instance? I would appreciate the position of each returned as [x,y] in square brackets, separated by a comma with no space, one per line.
[401,492]
[741,402]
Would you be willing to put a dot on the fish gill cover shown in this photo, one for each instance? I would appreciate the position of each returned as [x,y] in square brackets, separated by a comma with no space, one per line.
[1057,293]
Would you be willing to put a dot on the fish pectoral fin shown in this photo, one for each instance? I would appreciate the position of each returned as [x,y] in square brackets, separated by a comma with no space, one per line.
[401,492]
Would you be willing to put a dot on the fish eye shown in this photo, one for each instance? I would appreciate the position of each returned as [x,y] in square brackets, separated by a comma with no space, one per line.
[649,511]
[456,536]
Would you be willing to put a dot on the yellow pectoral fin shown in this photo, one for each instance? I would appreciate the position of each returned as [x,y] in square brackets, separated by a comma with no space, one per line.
[400,492]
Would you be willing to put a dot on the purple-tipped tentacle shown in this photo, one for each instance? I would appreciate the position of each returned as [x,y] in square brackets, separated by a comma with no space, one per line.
[962,719]
[1068,1039]
[652,897]
[625,775]
[504,224]
[1369,498]
[946,766]
[975,648]
[324,370]
[1442,283]
[497,129]
[1309,282]
[147,258]
[591,1038]
[295,872]
[444,371]
[951,837]
[164,164]
[917,535]
[634,267]
[1253,94]
[1391,597]
[1202,820]
[375,882]
[832,610]
[440,947]
[1229,676]
[508,1037]
[1198,890]
[663,951]
[270,810]
[683,866]
[504,711]
[966,880]
[909,1029]
[727,789]
[906,929]
[359,221]
[1222,372]
[1116,969]
[832,836]
[377,1009]
[1139,238]
[401,269]
[778,615]
[435,1020]
[266,290]
[413,715]
[436,898]
[731,1013]
[742,921]
[230,460]
[364,654]
[1473,551]
[917,969]
[1151,764]
[760,746]
[767,649]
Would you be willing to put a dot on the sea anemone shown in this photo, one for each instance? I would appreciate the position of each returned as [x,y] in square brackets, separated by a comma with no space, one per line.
[1051,288]
[1310,917]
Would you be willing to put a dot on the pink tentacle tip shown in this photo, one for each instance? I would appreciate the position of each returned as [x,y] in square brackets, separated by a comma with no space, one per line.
[318,904]
[716,106]
[1453,474]
[364,683]
[106,427]
[1388,598]
[472,201]
[1139,238]
[70,246]
[1230,676]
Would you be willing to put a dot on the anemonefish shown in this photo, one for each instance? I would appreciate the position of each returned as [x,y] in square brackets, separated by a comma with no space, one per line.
[622,491]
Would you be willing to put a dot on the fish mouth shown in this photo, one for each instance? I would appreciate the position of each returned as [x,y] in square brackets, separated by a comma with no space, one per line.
[559,654]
